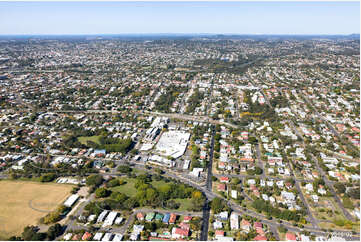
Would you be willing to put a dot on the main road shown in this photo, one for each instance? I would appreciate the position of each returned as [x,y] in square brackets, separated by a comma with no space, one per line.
[206,208]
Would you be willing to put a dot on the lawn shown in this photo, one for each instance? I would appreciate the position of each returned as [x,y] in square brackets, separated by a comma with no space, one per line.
[185,204]
[83,139]
[24,203]
[128,188]
[157,184]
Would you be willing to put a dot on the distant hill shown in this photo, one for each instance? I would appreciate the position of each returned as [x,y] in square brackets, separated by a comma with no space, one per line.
[354,36]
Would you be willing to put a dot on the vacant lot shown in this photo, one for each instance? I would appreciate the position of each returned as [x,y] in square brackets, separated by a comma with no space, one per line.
[128,188]
[84,139]
[23,203]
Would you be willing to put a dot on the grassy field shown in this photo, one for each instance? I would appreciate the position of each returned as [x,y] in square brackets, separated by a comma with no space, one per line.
[185,204]
[84,139]
[128,188]
[24,203]
[157,184]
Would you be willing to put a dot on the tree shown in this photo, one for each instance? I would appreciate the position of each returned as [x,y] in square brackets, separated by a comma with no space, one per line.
[171,204]
[347,203]
[217,205]
[257,171]
[48,177]
[252,140]
[340,188]
[113,183]
[124,169]
[196,195]
[159,171]
[235,181]
[354,193]
[15,238]
[131,203]
[31,233]
[102,192]
[94,180]
[54,231]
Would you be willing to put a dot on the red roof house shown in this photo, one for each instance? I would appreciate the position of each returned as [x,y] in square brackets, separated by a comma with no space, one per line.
[290,237]
[140,216]
[260,238]
[86,236]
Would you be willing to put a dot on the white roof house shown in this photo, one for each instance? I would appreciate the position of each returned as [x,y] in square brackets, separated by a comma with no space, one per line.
[67,236]
[107,237]
[217,224]
[234,194]
[117,237]
[110,219]
[71,200]
[98,236]
[102,216]
[288,195]
[309,187]
[234,221]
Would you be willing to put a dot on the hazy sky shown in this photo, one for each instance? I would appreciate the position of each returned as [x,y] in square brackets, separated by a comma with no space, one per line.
[179,17]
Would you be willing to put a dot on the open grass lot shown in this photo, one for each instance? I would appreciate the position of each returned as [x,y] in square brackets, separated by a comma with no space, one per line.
[351,226]
[83,140]
[185,204]
[128,188]
[24,203]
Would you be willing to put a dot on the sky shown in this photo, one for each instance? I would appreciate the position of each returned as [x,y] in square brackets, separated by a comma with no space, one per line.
[26,18]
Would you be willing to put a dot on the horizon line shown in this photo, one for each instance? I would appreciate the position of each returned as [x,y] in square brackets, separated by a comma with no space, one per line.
[84,34]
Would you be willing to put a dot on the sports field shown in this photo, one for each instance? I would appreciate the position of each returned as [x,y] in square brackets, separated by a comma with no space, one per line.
[23,203]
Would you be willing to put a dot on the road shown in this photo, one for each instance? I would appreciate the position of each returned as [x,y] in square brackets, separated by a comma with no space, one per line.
[333,130]
[206,208]
[332,190]
[210,195]
[259,161]
[204,119]
[72,223]
[325,178]
[207,189]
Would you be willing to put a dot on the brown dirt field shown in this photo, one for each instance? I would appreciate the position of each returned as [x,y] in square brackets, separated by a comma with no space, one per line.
[23,203]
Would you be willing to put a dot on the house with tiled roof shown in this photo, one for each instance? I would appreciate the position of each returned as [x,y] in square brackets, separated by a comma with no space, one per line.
[172,218]
[86,236]
[260,238]
[222,187]
[291,237]
[187,219]
[178,233]
[140,216]
[245,225]
[224,179]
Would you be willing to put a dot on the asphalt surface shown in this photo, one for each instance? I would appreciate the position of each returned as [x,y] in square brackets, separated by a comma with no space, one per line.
[206,208]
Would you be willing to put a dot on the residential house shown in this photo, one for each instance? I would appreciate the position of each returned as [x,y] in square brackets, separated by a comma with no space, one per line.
[245,225]
[172,218]
[179,233]
[86,236]
[291,237]
[140,216]
[234,221]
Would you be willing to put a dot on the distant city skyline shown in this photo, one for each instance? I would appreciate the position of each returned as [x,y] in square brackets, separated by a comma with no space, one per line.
[268,18]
